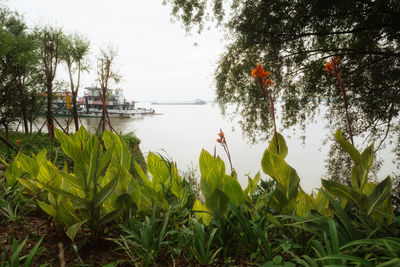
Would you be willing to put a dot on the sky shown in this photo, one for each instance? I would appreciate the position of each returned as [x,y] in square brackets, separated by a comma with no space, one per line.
[157,59]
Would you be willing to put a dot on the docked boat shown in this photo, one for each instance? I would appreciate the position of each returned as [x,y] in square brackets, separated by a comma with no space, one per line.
[196,102]
[117,105]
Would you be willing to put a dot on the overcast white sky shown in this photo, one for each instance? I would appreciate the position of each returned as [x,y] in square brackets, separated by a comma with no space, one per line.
[157,59]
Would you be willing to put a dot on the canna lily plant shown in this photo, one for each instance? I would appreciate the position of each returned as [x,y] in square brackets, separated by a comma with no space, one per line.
[218,188]
[94,193]
[371,199]
[368,197]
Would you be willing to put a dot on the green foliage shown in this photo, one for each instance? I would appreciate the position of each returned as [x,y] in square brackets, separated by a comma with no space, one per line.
[94,194]
[285,177]
[368,197]
[146,238]
[16,259]
[20,78]
[272,223]
[200,247]
[218,188]
[293,39]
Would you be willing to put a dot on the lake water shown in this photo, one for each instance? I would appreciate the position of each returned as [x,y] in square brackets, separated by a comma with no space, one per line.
[182,131]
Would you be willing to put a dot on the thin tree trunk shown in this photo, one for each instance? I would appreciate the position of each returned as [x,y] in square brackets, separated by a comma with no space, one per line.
[75,110]
[24,118]
[49,115]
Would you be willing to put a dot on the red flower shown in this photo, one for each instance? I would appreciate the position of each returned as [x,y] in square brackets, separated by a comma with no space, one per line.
[268,82]
[329,66]
[19,143]
[259,72]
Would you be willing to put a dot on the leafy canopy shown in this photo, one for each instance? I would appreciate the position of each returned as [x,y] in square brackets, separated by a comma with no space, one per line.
[293,39]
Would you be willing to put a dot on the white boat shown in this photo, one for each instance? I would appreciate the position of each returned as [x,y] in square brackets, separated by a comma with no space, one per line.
[117,105]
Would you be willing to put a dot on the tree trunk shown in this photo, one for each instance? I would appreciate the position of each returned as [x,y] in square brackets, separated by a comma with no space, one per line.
[75,111]
[24,118]
[103,120]
[49,115]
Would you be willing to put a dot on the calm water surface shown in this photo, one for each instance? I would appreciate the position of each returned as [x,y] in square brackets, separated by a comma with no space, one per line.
[182,131]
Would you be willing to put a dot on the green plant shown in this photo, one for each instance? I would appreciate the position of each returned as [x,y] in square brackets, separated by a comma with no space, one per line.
[12,204]
[94,194]
[286,179]
[145,238]
[366,196]
[253,231]
[15,259]
[200,247]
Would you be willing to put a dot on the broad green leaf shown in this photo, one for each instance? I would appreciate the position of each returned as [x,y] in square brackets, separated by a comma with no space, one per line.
[142,175]
[73,230]
[30,185]
[201,212]
[157,168]
[343,191]
[233,190]
[29,165]
[41,157]
[72,180]
[105,160]
[105,192]
[217,203]
[108,139]
[368,188]
[252,184]
[305,204]
[206,162]
[176,186]
[69,146]
[212,170]
[66,215]
[49,209]
[205,187]
[64,193]
[94,161]
[381,192]
[12,173]
[137,195]
[276,167]
[273,148]
[81,135]
[321,202]
[349,148]
[106,218]
[367,157]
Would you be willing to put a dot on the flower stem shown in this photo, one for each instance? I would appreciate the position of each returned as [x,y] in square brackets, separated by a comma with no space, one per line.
[343,91]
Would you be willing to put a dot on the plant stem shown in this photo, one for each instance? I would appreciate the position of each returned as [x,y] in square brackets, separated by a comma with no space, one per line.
[273,118]
[343,91]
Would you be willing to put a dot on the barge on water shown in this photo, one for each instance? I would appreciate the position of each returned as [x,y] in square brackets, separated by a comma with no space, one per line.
[196,102]
[90,105]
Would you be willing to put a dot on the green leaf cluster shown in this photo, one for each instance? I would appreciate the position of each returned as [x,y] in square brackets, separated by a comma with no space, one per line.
[366,196]
[97,190]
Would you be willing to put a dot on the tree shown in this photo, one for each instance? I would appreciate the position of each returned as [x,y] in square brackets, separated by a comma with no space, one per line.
[106,74]
[293,39]
[49,39]
[18,70]
[74,52]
